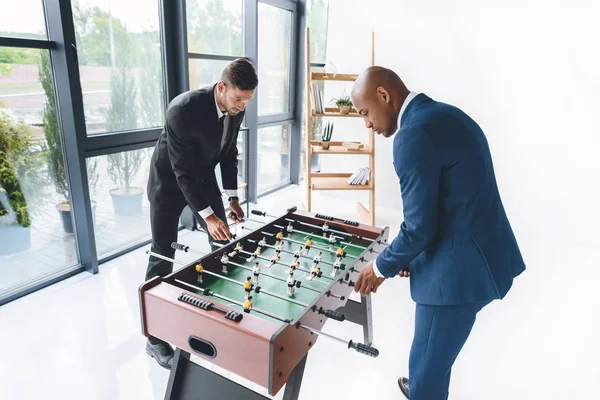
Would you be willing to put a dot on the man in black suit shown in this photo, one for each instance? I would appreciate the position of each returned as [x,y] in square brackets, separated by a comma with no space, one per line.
[200,131]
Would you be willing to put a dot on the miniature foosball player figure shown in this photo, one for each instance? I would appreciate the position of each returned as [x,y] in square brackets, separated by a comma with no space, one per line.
[262,243]
[274,260]
[340,252]
[336,267]
[279,236]
[325,229]
[317,259]
[199,270]
[224,261]
[279,247]
[248,304]
[332,240]
[291,282]
[297,254]
[236,251]
[316,271]
[248,286]
[255,254]
[307,245]
[293,266]
[290,229]
[256,272]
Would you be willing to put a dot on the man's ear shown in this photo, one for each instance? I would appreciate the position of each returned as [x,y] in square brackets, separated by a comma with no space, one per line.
[384,94]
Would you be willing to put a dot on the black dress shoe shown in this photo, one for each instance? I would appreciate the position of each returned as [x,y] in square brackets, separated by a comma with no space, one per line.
[403,383]
[162,352]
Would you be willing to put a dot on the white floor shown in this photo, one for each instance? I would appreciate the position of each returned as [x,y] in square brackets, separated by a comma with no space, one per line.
[80,339]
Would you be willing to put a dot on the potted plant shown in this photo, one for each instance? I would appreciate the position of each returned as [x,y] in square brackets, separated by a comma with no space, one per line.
[122,169]
[20,183]
[326,135]
[54,151]
[344,103]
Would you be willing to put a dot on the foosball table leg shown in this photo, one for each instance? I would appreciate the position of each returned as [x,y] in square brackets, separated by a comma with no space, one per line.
[360,313]
[188,380]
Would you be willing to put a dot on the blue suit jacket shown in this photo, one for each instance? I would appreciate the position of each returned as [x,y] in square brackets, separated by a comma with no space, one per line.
[455,235]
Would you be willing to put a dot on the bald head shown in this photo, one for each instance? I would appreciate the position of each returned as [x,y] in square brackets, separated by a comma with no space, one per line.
[378,94]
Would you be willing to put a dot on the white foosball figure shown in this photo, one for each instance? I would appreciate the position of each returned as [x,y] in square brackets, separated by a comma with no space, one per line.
[255,272]
[317,259]
[290,283]
[290,229]
[279,247]
[224,261]
[332,241]
[336,267]
[297,254]
[325,229]
[262,243]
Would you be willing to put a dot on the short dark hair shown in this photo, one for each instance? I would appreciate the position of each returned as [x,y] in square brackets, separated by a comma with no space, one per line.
[241,74]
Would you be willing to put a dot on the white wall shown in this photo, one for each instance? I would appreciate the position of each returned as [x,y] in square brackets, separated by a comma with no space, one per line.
[527,71]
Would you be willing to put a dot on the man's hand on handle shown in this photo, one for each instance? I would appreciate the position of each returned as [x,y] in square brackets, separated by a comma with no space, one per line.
[236,214]
[218,229]
[404,272]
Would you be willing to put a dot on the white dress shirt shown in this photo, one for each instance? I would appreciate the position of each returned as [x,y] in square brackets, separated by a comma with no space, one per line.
[407,101]
[208,211]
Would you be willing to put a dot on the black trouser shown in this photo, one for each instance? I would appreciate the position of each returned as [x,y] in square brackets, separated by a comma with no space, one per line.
[164,223]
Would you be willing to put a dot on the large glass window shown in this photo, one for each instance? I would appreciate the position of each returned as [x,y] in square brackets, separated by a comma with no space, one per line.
[274,39]
[36,227]
[119,201]
[205,72]
[215,27]
[273,157]
[120,64]
[22,19]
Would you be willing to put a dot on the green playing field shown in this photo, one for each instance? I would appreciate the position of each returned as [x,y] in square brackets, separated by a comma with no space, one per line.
[266,302]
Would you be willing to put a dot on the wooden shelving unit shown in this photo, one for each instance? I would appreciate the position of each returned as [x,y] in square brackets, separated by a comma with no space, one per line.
[336,181]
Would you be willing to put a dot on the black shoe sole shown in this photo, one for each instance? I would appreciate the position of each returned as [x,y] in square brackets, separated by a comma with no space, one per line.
[165,366]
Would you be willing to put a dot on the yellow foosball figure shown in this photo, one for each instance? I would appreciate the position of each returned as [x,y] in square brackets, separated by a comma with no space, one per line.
[248,304]
[248,285]
[237,250]
[307,245]
[279,236]
[340,252]
[199,270]
[274,260]
[293,267]
[315,272]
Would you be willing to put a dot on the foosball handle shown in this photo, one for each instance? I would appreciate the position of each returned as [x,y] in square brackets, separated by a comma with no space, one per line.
[179,246]
[338,316]
[364,349]
[260,213]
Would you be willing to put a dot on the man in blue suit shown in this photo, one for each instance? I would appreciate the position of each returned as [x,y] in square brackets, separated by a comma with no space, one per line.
[456,243]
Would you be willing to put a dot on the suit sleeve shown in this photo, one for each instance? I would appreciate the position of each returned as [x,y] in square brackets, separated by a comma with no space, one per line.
[183,160]
[419,173]
[229,168]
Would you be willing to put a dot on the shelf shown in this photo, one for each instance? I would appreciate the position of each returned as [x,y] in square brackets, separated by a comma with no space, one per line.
[321,76]
[337,148]
[334,112]
[335,183]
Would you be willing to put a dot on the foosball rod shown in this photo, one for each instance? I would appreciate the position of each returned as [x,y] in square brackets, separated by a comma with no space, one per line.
[272,276]
[289,252]
[229,279]
[320,237]
[300,243]
[208,292]
[361,348]
[331,229]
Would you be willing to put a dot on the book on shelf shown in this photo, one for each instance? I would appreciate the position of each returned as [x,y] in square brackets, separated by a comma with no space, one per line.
[317,99]
[360,177]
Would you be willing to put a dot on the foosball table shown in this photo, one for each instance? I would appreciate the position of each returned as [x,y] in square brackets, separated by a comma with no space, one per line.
[257,305]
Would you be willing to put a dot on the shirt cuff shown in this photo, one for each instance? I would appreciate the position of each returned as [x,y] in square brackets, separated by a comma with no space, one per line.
[376,270]
[231,192]
[207,212]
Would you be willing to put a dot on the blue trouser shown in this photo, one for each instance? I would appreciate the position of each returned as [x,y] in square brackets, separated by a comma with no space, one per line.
[440,333]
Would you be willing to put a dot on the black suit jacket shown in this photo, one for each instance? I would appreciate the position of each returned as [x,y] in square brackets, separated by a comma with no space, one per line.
[188,150]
